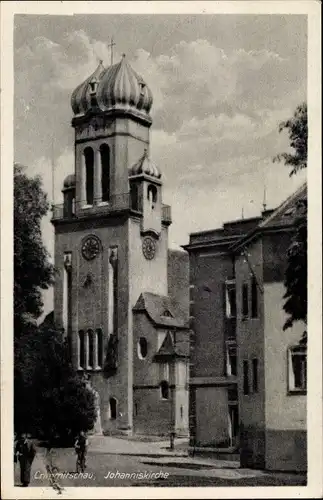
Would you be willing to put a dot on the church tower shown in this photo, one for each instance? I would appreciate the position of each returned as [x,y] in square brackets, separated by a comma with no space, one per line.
[111,235]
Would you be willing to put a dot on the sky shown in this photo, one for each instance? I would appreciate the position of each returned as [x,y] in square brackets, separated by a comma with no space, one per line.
[221,85]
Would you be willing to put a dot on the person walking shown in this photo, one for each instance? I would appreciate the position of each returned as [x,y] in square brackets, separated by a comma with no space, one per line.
[25,453]
[81,446]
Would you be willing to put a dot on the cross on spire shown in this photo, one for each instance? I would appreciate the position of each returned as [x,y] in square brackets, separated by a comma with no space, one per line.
[110,46]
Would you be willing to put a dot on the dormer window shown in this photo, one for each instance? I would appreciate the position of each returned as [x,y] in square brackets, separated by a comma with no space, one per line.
[167,314]
[93,85]
[142,88]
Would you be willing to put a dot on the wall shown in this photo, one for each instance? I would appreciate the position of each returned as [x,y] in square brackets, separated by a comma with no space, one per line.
[89,306]
[208,274]
[146,275]
[285,413]
[152,415]
[181,397]
[178,278]
[250,343]
[211,416]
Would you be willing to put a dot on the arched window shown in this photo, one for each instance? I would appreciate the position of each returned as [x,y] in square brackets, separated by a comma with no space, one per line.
[113,408]
[105,175]
[82,360]
[134,197]
[99,347]
[164,390]
[89,175]
[142,348]
[152,194]
[91,348]
[73,205]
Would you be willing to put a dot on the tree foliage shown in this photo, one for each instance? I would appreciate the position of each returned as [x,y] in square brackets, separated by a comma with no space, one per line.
[296,272]
[32,270]
[297,131]
[50,398]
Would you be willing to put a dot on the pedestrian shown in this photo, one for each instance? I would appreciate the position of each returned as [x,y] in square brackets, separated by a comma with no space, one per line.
[81,445]
[25,452]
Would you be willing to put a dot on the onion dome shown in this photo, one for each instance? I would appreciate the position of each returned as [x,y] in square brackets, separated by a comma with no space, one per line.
[69,181]
[117,87]
[145,167]
[82,97]
[121,87]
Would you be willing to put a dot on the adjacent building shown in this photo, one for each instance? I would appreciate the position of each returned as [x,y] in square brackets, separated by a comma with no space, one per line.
[121,295]
[247,375]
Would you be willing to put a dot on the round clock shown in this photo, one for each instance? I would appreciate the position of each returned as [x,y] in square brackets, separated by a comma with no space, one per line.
[149,247]
[91,247]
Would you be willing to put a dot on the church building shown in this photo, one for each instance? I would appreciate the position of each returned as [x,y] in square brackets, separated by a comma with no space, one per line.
[121,295]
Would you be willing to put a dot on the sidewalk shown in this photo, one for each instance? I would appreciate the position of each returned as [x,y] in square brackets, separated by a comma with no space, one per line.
[120,446]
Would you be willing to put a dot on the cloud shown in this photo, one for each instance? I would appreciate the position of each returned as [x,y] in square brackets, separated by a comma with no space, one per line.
[215,121]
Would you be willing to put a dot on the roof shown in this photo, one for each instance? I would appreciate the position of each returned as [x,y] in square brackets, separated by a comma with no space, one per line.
[144,166]
[117,87]
[162,310]
[282,216]
[170,349]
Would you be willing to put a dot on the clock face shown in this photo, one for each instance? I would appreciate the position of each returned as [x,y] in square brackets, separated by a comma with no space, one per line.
[91,247]
[149,247]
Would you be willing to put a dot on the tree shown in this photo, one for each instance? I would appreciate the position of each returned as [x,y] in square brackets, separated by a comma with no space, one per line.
[32,270]
[296,272]
[50,399]
[297,131]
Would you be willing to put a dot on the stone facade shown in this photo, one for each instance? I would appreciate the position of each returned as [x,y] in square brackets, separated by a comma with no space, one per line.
[249,257]
[111,246]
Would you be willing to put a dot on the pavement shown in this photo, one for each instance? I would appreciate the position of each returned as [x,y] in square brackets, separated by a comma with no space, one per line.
[114,461]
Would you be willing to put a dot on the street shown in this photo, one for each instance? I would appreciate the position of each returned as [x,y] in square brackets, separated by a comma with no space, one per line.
[114,462]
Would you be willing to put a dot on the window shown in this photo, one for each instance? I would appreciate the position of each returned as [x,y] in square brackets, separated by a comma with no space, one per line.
[89,175]
[134,197]
[182,412]
[164,389]
[255,375]
[297,369]
[245,377]
[91,348]
[230,296]
[167,314]
[73,206]
[254,298]
[164,371]
[152,194]
[113,408]
[233,394]
[233,424]
[105,171]
[231,368]
[82,360]
[142,348]
[99,347]
[245,304]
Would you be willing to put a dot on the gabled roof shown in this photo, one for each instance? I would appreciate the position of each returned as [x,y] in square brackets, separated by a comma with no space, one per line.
[169,349]
[162,310]
[283,216]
